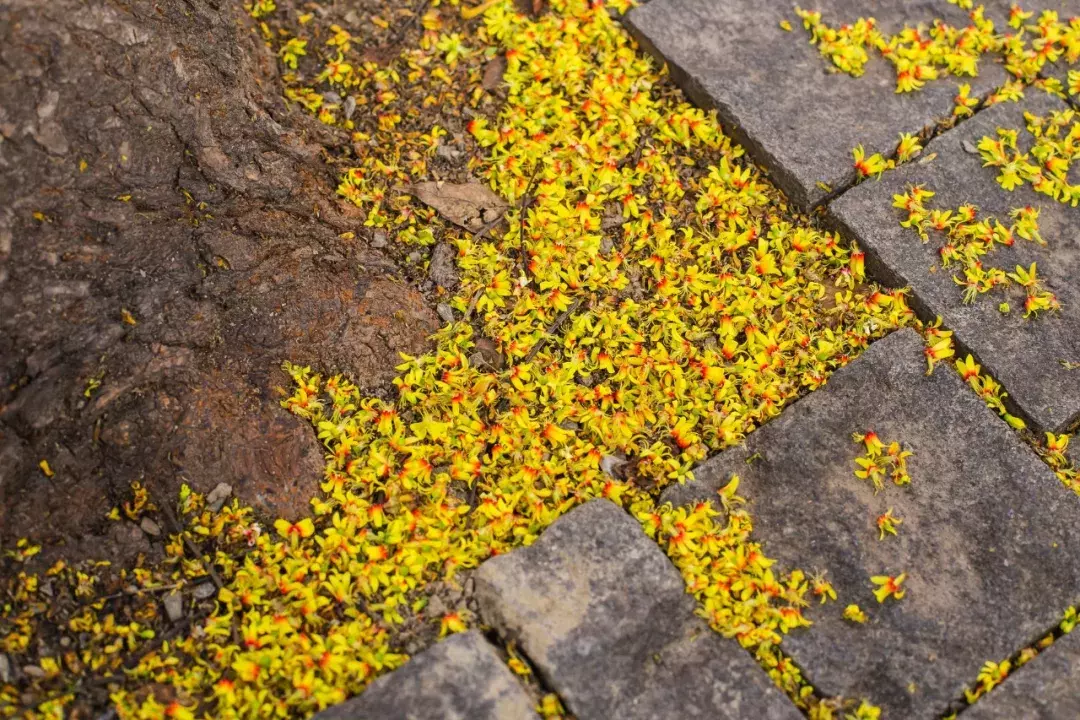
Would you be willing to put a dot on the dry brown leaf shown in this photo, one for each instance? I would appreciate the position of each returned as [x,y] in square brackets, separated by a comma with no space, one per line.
[493,73]
[470,205]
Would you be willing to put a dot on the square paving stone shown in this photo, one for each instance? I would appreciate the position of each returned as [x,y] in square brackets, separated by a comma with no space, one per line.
[1027,356]
[775,93]
[990,539]
[998,10]
[605,619]
[1046,688]
[460,678]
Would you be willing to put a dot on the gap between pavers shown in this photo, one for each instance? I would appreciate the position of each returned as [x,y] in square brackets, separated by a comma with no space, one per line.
[604,617]
[1025,355]
[775,93]
[460,678]
[1046,688]
[990,538]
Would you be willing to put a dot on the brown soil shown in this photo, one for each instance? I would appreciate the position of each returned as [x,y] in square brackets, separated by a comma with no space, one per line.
[227,253]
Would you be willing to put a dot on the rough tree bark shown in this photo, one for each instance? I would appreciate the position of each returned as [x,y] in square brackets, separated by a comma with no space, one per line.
[148,163]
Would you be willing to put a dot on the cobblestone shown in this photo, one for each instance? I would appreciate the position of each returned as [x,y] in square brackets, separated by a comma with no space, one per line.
[460,678]
[774,91]
[1043,689]
[604,617]
[985,527]
[1028,356]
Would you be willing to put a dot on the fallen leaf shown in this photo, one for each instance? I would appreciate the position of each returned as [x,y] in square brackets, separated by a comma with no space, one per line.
[470,205]
[493,73]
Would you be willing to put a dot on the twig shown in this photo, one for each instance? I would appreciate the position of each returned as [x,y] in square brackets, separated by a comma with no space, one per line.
[195,553]
[472,303]
[182,626]
[526,201]
[472,494]
[407,25]
[552,330]
[479,234]
[140,591]
[179,530]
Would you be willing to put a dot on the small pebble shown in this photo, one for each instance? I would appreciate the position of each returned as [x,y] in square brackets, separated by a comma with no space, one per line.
[150,527]
[379,239]
[217,497]
[350,107]
[436,607]
[204,591]
[446,152]
[487,354]
[331,97]
[443,267]
[445,312]
[5,669]
[609,463]
[174,606]
[33,671]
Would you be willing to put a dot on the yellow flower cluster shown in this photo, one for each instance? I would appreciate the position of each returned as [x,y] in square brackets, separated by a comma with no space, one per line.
[968,240]
[733,580]
[881,459]
[652,298]
[927,52]
[874,165]
[940,347]
[646,378]
[993,674]
[1054,454]
[1046,165]
[988,389]
[104,615]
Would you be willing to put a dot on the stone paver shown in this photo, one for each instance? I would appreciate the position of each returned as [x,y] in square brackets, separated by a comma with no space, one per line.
[605,618]
[460,678]
[1024,355]
[989,539]
[775,94]
[998,10]
[1047,688]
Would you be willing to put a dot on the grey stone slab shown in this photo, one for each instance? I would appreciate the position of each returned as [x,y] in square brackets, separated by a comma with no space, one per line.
[604,616]
[774,92]
[990,539]
[998,10]
[1046,688]
[461,678]
[1024,355]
